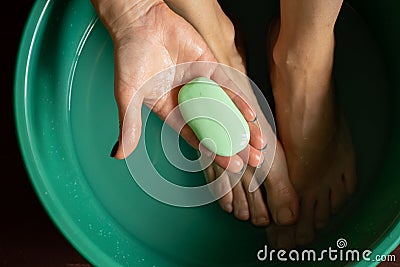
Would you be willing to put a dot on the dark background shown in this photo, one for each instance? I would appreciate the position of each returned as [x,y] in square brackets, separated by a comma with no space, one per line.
[28,236]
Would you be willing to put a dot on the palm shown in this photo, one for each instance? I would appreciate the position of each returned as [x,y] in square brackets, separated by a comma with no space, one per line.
[157,47]
[159,42]
[154,48]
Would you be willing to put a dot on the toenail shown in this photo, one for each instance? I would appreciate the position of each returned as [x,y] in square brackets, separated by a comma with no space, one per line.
[260,165]
[242,170]
[228,208]
[243,214]
[262,221]
[285,216]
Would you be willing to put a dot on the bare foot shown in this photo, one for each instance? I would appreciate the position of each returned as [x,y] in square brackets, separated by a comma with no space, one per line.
[313,131]
[281,201]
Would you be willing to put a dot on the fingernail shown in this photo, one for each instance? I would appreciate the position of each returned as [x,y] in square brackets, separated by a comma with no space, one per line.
[285,216]
[264,147]
[114,149]
[262,221]
[242,170]
[260,165]
[255,119]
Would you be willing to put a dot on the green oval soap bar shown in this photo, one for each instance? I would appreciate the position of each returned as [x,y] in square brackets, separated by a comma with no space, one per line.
[214,118]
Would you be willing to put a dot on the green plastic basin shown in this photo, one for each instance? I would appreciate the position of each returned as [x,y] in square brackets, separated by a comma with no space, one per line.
[67,123]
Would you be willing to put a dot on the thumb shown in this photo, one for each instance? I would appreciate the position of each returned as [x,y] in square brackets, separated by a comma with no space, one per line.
[129,103]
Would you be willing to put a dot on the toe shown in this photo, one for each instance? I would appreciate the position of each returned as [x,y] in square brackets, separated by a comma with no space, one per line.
[233,164]
[305,224]
[281,237]
[209,174]
[281,196]
[257,141]
[224,189]
[322,209]
[350,180]
[258,208]
[240,205]
[337,195]
[350,173]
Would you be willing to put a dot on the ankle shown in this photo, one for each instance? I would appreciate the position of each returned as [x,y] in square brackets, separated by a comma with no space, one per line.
[307,57]
[214,26]
[308,65]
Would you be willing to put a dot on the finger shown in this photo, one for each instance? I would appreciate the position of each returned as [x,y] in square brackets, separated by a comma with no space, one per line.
[233,164]
[253,157]
[255,119]
[239,100]
[230,80]
[257,139]
[130,121]
[235,84]
[129,99]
